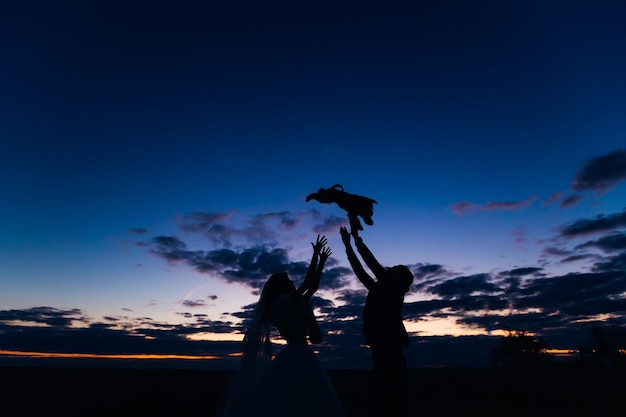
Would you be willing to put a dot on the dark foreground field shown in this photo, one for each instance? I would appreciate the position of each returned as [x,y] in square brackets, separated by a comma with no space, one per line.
[449,391]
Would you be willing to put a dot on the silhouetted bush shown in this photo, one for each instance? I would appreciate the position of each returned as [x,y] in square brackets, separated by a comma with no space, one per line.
[519,349]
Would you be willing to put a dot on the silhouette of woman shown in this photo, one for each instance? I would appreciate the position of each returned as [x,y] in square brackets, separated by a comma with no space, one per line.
[293,382]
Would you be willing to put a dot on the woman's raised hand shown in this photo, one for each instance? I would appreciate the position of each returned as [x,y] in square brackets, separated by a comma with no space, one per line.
[325,254]
[319,244]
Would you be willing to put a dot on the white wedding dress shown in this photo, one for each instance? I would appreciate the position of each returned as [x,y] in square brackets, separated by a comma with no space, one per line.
[293,383]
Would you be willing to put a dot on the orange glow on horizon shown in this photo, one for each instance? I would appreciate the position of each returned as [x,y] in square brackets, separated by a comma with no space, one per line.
[561,352]
[16,353]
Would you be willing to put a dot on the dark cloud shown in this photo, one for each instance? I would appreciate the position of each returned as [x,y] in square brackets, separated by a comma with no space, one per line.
[556,251]
[424,272]
[193,303]
[609,243]
[602,173]
[170,248]
[600,223]
[553,294]
[520,272]
[336,277]
[249,266]
[577,258]
[46,329]
[612,263]
[556,307]
[47,316]
[259,255]
[465,285]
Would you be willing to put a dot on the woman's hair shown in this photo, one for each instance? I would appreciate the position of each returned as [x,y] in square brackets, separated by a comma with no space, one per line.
[277,284]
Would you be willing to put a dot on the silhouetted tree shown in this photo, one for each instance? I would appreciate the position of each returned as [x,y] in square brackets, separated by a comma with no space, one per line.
[608,346]
[519,349]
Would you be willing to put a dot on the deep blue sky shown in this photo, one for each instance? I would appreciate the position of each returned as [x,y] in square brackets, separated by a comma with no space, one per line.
[155,158]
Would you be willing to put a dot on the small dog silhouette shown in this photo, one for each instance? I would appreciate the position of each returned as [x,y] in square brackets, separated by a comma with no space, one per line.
[355,205]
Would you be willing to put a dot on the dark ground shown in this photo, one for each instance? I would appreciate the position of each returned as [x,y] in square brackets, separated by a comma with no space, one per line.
[29,391]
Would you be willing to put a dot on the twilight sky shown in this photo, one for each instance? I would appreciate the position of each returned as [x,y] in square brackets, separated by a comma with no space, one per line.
[155,158]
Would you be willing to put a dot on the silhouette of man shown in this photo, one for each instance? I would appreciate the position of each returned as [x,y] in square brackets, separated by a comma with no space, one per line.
[383,328]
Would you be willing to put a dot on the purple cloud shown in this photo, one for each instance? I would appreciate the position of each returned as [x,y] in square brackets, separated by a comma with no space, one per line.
[464,206]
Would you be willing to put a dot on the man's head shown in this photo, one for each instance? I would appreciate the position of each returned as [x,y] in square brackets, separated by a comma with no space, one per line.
[402,276]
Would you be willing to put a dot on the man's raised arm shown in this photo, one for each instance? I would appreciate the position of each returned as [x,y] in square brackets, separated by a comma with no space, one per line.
[356,265]
[371,261]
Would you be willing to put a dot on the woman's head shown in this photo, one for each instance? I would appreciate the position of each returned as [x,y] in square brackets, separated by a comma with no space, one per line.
[276,285]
